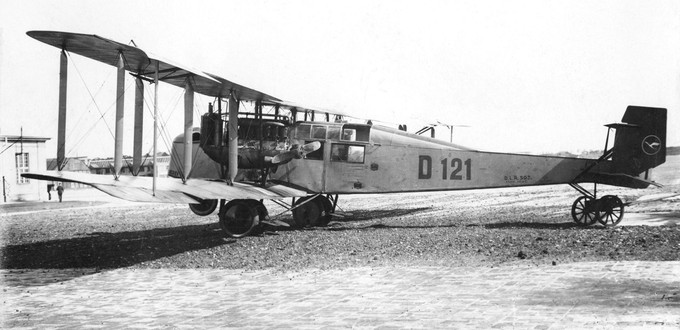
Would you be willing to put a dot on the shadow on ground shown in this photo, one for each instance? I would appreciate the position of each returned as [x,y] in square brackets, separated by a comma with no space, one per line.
[363,215]
[530,225]
[101,250]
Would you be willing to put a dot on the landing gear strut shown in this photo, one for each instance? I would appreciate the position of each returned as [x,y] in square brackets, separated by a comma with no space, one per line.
[588,209]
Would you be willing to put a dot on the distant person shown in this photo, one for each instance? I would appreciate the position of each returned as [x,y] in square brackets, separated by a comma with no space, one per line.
[60,191]
[50,187]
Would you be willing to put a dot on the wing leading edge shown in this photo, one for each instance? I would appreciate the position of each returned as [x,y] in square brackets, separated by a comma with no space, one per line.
[169,190]
[142,63]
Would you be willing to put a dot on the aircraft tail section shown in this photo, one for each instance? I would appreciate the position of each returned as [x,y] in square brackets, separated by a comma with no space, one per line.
[640,142]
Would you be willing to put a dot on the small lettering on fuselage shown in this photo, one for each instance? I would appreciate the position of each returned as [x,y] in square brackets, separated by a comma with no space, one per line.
[513,179]
[454,169]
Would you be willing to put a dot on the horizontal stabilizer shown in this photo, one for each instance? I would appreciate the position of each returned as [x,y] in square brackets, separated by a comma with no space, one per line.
[622,180]
[169,190]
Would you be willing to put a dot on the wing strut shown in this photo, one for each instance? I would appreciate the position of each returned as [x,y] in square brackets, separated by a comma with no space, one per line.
[139,126]
[120,116]
[61,134]
[188,125]
[233,136]
[155,128]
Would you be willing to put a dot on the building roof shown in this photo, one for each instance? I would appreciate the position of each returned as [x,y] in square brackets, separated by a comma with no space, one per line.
[18,138]
[72,164]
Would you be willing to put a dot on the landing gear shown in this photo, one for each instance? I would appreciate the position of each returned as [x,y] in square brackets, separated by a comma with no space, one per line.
[588,209]
[312,211]
[206,207]
[610,212]
[583,211]
[243,217]
[240,217]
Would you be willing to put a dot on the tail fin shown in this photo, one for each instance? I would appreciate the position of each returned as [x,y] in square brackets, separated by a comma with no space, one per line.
[641,144]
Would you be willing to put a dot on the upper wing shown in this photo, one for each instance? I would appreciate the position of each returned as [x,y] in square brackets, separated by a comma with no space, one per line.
[143,64]
[139,62]
[169,190]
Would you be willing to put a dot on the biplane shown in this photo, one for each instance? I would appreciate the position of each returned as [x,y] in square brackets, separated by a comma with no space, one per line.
[281,150]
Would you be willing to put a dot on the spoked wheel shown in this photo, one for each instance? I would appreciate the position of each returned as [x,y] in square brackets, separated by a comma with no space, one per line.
[239,217]
[315,212]
[206,207]
[610,210]
[584,211]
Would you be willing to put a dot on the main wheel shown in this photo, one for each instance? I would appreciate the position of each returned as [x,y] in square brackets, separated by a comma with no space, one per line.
[327,209]
[309,214]
[610,212]
[238,218]
[206,207]
[583,211]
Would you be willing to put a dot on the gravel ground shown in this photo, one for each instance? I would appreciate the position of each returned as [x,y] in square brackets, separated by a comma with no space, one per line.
[492,227]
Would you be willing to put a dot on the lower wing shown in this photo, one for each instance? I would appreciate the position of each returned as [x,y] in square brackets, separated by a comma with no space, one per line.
[169,190]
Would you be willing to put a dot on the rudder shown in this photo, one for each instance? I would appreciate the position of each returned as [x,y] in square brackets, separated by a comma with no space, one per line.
[641,144]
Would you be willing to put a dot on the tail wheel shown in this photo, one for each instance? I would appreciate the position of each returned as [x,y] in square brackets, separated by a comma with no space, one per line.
[312,213]
[239,217]
[584,211]
[610,212]
[206,207]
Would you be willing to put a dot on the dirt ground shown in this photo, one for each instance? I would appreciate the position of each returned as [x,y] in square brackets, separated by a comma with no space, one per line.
[467,228]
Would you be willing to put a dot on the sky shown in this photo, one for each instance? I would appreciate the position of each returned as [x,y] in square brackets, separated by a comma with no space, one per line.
[524,76]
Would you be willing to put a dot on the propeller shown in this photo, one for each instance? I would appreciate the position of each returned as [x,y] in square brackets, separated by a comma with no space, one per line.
[296,153]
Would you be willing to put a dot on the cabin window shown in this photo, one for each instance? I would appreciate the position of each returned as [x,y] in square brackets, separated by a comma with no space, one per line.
[319,132]
[347,153]
[303,131]
[316,154]
[355,133]
[349,134]
[22,167]
[334,133]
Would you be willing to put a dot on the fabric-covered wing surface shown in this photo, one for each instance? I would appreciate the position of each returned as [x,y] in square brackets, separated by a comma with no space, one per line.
[140,63]
[169,190]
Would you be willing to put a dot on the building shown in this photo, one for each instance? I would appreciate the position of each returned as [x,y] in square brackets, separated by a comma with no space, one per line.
[71,164]
[105,166]
[21,154]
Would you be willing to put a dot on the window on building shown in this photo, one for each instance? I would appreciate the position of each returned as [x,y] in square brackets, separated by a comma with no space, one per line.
[22,167]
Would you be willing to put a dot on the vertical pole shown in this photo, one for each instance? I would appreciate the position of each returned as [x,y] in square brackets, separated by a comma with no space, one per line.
[219,132]
[61,125]
[233,137]
[120,103]
[4,192]
[155,127]
[139,126]
[188,126]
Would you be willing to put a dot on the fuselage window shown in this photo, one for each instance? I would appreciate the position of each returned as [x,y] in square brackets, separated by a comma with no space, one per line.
[349,134]
[334,133]
[347,153]
[303,131]
[319,132]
